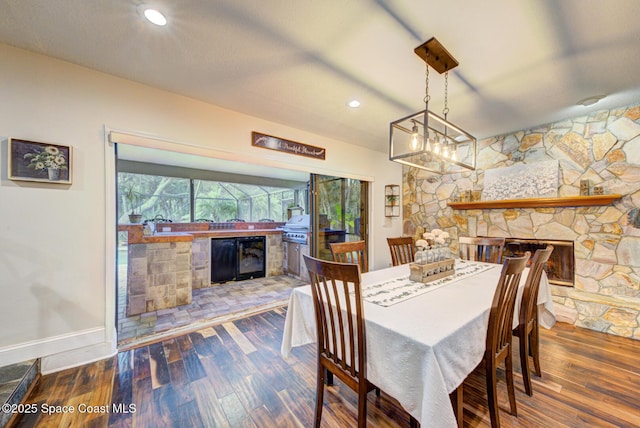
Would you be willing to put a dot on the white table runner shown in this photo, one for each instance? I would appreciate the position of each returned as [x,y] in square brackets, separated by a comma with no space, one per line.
[396,290]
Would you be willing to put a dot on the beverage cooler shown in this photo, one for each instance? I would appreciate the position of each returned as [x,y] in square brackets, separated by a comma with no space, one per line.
[235,259]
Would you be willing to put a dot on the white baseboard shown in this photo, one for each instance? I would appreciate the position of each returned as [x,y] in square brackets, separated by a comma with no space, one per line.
[63,351]
[77,357]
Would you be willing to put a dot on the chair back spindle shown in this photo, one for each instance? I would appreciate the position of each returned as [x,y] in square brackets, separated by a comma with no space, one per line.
[501,316]
[351,252]
[341,345]
[528,307]
[487,250]
[402,250]
[499,333]
[527,329]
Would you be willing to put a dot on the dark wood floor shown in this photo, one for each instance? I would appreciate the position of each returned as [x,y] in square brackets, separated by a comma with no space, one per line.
[233,375]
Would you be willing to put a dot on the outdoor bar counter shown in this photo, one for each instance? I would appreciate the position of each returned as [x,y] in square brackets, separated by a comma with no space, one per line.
[164,268]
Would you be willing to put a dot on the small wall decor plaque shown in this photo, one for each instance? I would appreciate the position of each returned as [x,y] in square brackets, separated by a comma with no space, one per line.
[585,186]
[286,146]
[43,162]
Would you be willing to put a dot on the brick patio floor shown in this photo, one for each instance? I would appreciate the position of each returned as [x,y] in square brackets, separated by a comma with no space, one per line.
[209,305]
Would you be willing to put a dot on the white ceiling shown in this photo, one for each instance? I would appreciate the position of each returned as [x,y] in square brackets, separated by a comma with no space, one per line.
[522,63]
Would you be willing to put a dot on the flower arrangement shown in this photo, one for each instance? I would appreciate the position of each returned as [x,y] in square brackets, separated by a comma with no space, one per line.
[48,158]
[437,240]
[422,244]
[436,236]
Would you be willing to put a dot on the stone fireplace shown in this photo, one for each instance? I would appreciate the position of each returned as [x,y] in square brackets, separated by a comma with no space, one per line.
[560,268]
[603,148]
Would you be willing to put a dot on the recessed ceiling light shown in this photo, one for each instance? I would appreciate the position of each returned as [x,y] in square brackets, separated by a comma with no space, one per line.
[354,103]
[154,16]
[590,100]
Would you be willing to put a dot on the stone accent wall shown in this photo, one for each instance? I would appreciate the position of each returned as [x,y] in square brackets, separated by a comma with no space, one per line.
[201,263]
[275,255]
[603,147]
[159,276]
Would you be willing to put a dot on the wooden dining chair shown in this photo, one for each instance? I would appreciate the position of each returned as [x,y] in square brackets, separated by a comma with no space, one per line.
[499,334]
[481,249]
[340,330]
[351,252]
[527,329]
[401,250]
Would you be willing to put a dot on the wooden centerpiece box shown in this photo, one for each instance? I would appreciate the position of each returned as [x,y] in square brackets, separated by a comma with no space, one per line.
[431,271]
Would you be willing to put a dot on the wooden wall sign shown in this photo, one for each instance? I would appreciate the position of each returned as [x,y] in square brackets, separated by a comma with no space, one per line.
[287,146]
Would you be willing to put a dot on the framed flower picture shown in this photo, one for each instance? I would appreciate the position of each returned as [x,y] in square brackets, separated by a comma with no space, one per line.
[43,162]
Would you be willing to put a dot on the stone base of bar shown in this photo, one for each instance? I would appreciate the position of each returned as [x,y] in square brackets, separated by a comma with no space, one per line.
[165,267]
[159,276]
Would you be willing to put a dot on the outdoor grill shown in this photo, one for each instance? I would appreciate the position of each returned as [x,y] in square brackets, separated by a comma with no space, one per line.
[296,229]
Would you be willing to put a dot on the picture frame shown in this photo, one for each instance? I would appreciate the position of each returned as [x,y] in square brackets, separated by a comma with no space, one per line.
[521,181]
[40,162]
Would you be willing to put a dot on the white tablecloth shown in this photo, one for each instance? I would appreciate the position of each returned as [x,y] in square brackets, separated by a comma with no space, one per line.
[420,350]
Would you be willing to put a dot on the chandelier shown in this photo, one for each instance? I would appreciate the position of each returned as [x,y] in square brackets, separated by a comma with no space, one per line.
[426,140]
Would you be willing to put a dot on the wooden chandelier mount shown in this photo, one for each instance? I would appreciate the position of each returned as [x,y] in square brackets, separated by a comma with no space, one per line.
[439,58]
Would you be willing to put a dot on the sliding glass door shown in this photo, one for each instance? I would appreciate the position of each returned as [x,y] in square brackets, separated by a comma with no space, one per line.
[339,209]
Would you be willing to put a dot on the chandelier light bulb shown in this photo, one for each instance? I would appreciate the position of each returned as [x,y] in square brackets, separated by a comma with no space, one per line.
[454,157]
[415,141]
[436,147]
[445,152]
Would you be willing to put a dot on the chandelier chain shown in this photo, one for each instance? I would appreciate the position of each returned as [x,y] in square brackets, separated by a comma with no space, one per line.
[427,97]
[446,94]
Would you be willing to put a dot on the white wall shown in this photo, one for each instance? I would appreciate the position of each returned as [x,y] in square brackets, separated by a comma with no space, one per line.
[56,259]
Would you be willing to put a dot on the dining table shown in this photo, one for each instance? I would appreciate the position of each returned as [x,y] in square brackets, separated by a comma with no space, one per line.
[422,339]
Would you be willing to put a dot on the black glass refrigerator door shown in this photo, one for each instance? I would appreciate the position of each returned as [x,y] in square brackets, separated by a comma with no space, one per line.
[223,259]
[251,257]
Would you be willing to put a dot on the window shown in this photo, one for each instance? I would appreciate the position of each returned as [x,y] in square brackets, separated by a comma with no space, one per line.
[213,202]
[167,197]
[170,198]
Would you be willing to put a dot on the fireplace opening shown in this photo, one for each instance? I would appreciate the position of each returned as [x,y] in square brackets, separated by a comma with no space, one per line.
[561,265]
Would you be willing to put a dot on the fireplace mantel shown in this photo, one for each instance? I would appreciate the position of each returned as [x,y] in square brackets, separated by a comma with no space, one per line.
[563,201]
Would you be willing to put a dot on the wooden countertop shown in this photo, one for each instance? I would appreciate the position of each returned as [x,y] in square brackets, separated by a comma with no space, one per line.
[137,237]
[224,233]
[164,237]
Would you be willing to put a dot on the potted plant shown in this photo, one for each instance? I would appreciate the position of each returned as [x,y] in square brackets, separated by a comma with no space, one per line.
[133,198]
